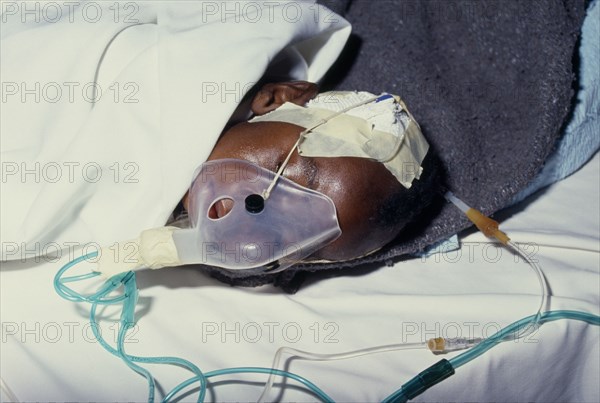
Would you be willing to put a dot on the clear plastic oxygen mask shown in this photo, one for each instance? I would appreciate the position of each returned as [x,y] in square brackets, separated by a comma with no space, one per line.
[251,232]
[290,225]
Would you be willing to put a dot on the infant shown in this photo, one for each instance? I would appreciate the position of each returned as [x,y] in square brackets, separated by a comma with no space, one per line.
[372,203]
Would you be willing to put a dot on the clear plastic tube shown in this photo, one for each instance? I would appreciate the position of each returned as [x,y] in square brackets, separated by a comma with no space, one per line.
[462,206]
[534,324]
[258,370]
[490,228]
[327,357]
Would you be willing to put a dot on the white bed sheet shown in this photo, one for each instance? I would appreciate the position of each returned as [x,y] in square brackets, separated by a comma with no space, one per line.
[48,355]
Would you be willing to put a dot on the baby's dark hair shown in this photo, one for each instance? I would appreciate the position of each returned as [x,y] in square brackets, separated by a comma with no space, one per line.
[406,205]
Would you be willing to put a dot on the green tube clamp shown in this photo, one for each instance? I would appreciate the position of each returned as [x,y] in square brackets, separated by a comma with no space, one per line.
[426,379]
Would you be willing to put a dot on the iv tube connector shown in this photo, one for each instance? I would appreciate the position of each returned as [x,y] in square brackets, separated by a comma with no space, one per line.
[441,345]
[484,224]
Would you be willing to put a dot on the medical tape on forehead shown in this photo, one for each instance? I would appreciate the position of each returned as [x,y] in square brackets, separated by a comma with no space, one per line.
[331,134]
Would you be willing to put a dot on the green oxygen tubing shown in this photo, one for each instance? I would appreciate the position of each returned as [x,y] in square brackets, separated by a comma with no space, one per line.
[125,285]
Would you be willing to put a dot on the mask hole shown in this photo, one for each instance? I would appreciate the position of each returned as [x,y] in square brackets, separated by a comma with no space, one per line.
[220,208]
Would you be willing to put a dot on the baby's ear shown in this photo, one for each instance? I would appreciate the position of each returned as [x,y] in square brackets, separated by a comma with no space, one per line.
[272,96]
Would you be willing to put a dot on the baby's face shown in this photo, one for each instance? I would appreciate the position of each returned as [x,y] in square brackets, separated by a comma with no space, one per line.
[357,186]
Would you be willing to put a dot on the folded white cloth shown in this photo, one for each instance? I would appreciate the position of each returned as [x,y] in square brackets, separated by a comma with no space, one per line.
[108,110]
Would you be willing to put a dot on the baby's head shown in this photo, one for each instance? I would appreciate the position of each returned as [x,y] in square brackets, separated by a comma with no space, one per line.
[372,205]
